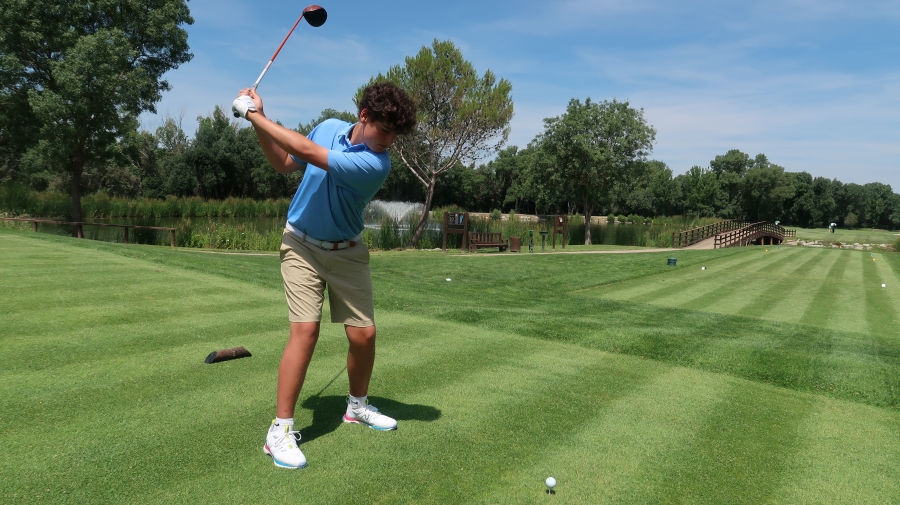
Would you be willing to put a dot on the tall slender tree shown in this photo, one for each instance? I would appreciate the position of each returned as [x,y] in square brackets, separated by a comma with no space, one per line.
[462,117]
[82,71]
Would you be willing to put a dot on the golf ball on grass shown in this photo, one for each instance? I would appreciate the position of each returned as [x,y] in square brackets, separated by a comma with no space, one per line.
[884,285]
[448,279]
[551,482]
[702,268]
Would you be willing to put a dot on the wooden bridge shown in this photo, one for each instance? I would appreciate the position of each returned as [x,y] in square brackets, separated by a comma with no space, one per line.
[731,233]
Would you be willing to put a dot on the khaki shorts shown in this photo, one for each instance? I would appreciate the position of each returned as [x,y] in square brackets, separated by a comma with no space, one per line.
[307,270]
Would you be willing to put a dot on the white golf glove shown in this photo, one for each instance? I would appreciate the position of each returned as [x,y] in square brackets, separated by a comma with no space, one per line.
[241,105]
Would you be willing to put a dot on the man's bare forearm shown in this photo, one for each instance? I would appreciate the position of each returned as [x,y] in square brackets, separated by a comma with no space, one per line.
[277,157]
[278,143]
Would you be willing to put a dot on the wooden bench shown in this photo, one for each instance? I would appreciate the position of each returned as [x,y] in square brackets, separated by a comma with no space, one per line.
[483,239]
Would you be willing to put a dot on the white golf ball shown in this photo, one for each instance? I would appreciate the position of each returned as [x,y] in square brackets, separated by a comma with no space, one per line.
[884,285]
[448,279]
[702,268]
[551,482]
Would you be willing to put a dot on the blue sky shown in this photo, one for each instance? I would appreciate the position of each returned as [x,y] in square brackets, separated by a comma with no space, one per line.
[813,84]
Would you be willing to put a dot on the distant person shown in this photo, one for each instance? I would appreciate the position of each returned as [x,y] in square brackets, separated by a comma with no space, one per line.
[832,226]
[322,248]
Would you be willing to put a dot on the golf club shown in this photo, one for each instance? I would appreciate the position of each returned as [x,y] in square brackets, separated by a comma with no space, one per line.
[315,15]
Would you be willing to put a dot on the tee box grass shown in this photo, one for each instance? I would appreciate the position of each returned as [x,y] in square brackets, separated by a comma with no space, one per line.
[769,377]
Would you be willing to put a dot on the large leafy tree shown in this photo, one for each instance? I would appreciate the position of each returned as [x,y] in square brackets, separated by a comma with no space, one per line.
[593,145]
[878,204]
[701,191]
[501,177]
[543,184]
[461,117]
[220,158]
[730,169]
[766,188]
[79,73]
[802,208]
[648,191]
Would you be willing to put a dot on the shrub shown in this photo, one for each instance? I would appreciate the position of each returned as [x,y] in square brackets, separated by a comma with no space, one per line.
[495,215]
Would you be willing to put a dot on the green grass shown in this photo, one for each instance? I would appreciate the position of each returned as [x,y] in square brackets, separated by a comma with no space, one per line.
[858,236]
[770,377]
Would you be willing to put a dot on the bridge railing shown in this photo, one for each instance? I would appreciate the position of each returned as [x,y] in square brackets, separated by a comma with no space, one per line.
[694,235]
[747,234]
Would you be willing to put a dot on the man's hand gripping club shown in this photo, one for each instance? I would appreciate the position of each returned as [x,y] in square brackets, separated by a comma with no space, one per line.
[246,102]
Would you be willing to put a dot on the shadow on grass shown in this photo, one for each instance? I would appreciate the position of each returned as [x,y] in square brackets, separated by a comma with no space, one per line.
[328,411]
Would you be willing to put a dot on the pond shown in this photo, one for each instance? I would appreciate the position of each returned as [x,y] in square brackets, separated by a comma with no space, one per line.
[373,217]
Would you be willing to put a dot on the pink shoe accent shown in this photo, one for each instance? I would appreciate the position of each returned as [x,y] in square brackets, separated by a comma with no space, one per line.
[350,419]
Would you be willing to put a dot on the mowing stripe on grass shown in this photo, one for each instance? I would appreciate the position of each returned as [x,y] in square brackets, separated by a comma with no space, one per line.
[691,437]
[751,435]
[498,380]
[697,289]
[806,358]
[849,312]
[881,305]
[629,440]
[727,291]
[787,292]
[826,308]
[849,455]
[677,283]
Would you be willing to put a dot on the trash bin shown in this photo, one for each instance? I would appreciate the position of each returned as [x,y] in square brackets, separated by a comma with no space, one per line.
[515,244]
[672,262]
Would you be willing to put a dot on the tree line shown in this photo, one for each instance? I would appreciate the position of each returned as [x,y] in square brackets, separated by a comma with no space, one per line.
[72,87]
[223,159]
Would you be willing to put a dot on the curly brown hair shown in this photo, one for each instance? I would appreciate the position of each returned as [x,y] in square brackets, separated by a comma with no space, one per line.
[389,104]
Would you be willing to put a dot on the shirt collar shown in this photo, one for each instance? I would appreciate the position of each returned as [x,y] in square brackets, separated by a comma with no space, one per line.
[344,139]
[344,135]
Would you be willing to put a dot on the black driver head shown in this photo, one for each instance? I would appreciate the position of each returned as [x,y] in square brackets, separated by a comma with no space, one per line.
[315,15]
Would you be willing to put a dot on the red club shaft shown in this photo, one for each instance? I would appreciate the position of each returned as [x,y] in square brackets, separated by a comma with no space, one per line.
[269,64]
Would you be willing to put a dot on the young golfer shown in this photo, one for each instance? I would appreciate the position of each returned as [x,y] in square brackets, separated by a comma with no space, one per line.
[346,164]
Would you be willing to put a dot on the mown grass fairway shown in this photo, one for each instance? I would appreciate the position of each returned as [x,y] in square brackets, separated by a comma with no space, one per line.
[859,236]
[770,377]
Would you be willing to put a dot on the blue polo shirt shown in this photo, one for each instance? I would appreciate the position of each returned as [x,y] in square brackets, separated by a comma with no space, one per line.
[329,204]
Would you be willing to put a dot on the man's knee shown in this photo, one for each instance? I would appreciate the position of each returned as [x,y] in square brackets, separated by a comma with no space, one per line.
[361,335]
[306,332]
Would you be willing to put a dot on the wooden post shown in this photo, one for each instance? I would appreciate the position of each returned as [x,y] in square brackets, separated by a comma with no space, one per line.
[452,224]
[465,232]
[172,237]
[34,225]
[80,230]
[561,225]
[125,235]
[446,220]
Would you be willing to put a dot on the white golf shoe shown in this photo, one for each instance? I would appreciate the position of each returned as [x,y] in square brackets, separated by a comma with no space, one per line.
[370,416]
[283,444]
